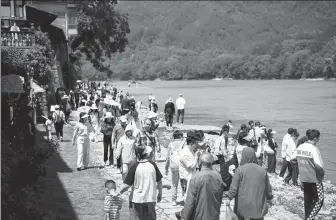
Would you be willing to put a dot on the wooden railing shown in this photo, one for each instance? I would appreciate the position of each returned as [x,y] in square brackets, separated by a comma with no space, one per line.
[17,39]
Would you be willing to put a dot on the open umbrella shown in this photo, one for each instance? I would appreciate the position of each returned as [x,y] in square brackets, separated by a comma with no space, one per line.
[85,109]
[111,102]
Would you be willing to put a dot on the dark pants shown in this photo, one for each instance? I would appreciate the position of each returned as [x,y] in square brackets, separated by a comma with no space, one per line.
[292,173]
[59,129]
[169,119]
[67,114]
[108,147]
[285,164]
[143,211]
[261,160]
[180,112]
[184,183]
[313,199]
[271,163]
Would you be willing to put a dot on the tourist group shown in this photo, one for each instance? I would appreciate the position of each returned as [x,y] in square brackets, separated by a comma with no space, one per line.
[131,145]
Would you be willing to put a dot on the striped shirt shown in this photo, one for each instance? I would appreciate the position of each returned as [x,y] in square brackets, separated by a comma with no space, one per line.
[112,205]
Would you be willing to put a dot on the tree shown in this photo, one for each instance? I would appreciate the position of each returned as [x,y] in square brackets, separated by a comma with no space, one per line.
[101,32]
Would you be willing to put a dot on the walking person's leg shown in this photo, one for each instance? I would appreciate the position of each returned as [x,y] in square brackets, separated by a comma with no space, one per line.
[283,168]
[183,186]
[178,116]
[57,129]
[182,116]
[269,163]
[295,173]
[105,143]
[61,131]
[289,174]
[86,150]
[80,162]
[221,161]
[175,181]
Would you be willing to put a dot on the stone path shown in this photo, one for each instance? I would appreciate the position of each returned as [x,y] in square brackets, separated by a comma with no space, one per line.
[165,210]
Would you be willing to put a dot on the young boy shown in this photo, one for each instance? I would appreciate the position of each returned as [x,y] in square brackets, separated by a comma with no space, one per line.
[48,125]
[173,160]
[112,204]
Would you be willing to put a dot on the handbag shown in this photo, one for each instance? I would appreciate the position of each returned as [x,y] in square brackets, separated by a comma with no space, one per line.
[230,215]
[254,142]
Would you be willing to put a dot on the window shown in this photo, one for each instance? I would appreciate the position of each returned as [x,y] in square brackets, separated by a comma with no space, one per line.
[5,3]
[72,20]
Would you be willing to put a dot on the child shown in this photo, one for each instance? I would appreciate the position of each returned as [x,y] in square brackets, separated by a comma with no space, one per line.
[112,204]
[48,125]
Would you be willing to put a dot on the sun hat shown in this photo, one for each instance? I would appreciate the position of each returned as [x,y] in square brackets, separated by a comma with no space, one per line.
[52,108]
[56,107]
[152,114]
[270,131]
[180,94]
[65,97]
[147,150]
[85,116]
[129,128]
[123,118]
[109,115]
[93,107]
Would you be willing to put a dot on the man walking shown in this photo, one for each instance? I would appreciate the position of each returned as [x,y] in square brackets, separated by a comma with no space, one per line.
[144,177]
[169,111]
[180,103]
[311,174]
[204,197]
[286,139]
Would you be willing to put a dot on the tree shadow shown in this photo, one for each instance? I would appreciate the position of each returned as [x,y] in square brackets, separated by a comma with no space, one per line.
[53,196]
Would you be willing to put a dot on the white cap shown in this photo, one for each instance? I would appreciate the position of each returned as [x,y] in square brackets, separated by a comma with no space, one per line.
[108,115]
[94,107]
[85,116]
[56,106]
[123,118]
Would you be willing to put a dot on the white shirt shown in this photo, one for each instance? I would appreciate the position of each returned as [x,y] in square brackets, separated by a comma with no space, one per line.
[284,145]
[187,167]
[291,146]
[180,102]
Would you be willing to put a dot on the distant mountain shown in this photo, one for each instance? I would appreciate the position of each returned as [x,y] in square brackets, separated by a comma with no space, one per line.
[242,40]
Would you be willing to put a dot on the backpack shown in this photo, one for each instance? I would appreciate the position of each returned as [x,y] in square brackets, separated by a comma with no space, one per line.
[175,155]
[58,117]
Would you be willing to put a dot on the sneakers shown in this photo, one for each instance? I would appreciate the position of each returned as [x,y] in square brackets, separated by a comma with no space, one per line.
[107,163]
[61,139]
[174,203]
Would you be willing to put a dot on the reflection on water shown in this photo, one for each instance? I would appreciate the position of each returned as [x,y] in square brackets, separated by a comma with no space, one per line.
[277,104]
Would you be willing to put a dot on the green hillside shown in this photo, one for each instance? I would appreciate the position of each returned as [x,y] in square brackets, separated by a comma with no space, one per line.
[242,40]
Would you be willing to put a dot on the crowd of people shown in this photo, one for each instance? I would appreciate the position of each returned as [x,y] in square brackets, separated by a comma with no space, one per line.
[131,145]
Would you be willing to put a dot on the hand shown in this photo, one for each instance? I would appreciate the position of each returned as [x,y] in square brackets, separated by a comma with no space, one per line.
[227,202]
[166,172]
[159,197]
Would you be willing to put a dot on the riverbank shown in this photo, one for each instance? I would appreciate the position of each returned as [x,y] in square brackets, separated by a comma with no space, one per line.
[288,199]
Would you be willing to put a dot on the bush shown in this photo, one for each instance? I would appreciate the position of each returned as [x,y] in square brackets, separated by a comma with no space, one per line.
[21,168]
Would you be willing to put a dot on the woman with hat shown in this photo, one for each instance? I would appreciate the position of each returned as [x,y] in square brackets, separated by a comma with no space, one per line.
[107,126]
[125,150]
[95,120]
[82,140]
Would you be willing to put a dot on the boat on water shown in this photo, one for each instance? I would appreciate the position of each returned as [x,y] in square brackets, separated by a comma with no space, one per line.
[219,79]
[315,79]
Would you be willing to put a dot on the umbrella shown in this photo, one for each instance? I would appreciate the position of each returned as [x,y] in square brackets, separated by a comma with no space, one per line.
[79,81]
[111,102]
[85,109]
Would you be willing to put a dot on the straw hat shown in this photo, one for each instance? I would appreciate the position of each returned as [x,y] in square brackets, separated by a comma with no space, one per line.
[123,118]
[85,116]
[93,107]
[152,114]
[109,115]
[56,107]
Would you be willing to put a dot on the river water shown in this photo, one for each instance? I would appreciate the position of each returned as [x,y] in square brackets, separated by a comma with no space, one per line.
[275,103]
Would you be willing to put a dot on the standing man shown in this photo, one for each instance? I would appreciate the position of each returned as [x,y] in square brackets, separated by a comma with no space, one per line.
[169,112]
[125,104]
[311,173]
[205,194]
[286,139]
[180,103]
[114,93]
